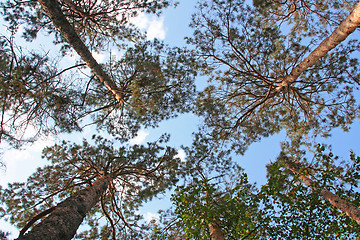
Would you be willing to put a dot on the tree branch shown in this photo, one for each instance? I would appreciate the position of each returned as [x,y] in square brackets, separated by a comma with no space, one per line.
[54,12]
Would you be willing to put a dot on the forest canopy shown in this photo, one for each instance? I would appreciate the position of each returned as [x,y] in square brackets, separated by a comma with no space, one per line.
[248,71]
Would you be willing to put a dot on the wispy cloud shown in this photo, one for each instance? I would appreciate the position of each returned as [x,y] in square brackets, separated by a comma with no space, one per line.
[181,154]
[154,26]
[99,57]
[21,163]
[140,137]
[151,216]
[156,29]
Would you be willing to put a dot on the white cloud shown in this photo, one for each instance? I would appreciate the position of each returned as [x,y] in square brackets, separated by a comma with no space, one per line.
[156,29]
[22,163]
[140,137]
[7,227]
[181,154]
[99,57]
[39,145]
[116,54]
[154,26]
[141,20]
[151,216]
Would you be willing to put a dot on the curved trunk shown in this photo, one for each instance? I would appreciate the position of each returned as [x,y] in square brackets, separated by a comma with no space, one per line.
[64,221]
[349,209]
[340,34]
[215,232]
[54,12]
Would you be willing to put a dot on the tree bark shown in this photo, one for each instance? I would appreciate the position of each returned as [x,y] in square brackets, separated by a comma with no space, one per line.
[214,228]
[64,221]
[349,209]
[340,34]
[54,12]
[215,232]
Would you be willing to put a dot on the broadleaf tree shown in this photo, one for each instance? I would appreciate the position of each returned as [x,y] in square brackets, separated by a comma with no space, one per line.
[284,207]
[305,211]
[215,202]
[207,210]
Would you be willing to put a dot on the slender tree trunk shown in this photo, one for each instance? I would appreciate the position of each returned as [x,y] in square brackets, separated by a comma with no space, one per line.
[349,209]
[214,228]
[340,34]
[215,232]
[64,221]
[54,12]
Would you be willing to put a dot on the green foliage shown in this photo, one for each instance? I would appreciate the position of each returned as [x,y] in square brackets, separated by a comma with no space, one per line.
[313,18]
[96,22]
[139,173]
[245,54]
[284,208]
[301,212]
[157,83]
[34,95]
[156,80]
[199,204]
[245,60]
[228,200]
[203,154]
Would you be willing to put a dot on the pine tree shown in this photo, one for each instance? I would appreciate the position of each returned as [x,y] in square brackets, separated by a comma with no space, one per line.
[149,83]
[94,182]
[306,18]
[263,81]
[96,22]
[35,94]
[347,26]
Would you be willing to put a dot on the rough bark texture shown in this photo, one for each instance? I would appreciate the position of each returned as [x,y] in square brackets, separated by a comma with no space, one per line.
[64,221]
[340,34]
[349,209]
[215,232]
[54,12]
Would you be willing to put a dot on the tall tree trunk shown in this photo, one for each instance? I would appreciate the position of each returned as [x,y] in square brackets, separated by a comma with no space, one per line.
[340,34]
[349,209]
[214,228]
[64,221]
[215,232]
[54,12]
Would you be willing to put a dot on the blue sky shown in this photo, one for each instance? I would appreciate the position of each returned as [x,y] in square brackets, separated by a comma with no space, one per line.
[171,27]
